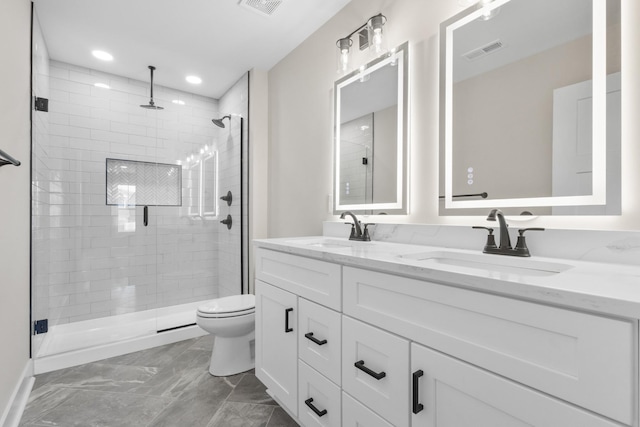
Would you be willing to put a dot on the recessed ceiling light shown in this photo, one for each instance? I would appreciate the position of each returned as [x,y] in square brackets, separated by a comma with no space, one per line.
[178,101]
[102,85]
[100,54]
[194,80]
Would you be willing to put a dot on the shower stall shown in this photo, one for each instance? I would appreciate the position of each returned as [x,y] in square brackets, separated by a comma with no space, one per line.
[127,205]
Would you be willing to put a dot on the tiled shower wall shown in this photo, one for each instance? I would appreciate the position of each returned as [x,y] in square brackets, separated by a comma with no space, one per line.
[102,260]
[230,263]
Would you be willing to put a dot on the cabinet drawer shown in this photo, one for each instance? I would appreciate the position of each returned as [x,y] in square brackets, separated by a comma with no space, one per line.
[582,358]
[319,343]
[355,414]
[316,280]
[319,399]
[455,394]
[381,382]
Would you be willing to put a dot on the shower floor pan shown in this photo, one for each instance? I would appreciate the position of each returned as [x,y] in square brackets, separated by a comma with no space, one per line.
[87,341]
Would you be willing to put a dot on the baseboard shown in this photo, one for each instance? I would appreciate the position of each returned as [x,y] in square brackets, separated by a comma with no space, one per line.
[19,397]
[93,354]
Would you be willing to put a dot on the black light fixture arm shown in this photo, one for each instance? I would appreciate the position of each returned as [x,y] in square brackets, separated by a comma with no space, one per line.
[361,27]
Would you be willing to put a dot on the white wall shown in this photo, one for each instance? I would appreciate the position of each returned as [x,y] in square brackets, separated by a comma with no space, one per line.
[14,195]
[300,126]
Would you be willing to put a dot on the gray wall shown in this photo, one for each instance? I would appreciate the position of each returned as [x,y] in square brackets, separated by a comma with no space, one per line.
[14,195]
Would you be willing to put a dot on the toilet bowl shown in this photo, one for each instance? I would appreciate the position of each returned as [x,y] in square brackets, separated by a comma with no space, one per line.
[231,321]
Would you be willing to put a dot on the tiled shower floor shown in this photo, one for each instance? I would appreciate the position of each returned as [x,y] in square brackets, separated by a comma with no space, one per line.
[162,386]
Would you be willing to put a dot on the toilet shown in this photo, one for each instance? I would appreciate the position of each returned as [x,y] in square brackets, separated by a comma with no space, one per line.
[231,320]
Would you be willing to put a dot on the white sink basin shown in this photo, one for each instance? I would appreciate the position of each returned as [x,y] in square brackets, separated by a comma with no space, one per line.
[494,263]
[323,243]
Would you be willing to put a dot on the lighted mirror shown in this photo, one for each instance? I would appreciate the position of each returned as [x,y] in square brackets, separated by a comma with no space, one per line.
[530,108]
[371,136]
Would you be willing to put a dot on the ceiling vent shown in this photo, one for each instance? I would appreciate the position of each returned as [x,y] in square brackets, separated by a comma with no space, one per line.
[477,53]
[263,7]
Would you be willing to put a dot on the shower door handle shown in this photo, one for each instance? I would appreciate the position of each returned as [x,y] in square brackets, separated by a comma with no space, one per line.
[145,215]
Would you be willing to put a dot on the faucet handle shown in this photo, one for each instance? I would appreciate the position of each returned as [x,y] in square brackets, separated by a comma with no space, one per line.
[365,232]
[353,229]
[522,230]
[491,239]
[521,244]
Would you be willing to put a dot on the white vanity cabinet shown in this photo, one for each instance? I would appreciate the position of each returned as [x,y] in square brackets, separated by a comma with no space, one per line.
[409,352]
[298,342]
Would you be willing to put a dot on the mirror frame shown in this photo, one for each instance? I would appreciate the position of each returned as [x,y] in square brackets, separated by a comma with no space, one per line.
[598,196]
[400,206]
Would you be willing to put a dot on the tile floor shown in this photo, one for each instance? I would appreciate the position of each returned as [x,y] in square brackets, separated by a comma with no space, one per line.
[162,386]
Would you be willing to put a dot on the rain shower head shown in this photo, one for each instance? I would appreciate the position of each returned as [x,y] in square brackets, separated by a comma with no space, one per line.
[218,122]
[151,105]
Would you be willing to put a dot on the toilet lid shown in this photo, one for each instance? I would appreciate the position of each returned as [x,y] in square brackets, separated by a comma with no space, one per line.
[234,305]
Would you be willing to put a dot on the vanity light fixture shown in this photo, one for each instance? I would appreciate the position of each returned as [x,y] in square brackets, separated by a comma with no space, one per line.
[178,102]
[370,34]
[488,13]
[102,85]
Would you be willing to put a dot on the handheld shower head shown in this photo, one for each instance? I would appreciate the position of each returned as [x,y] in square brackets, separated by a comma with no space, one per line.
[218,122]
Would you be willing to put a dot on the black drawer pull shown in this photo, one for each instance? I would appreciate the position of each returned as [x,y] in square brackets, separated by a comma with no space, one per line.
[286,320]
[313,408]
[309,335]
[360,365]
[145,215]
[417,406]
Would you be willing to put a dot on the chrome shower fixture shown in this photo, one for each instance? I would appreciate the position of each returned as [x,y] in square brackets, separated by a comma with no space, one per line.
[151,105]
[218,122]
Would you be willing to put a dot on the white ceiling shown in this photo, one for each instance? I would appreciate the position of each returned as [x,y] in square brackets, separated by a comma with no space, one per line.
[218,40]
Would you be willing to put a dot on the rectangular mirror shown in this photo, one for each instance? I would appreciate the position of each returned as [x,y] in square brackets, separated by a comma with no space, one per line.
[530,108]
[371,136]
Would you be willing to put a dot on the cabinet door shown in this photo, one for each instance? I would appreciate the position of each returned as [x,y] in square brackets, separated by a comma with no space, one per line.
[380,381]
[451,393]
[277,344]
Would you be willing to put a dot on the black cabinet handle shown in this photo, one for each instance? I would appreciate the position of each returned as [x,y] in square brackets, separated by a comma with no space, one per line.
[417,406]
[309,335]
[313,408]
[360,365]
[286,320]
[145,215]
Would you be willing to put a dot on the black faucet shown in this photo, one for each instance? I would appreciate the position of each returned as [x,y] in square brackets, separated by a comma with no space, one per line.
[356,231]
[505,242]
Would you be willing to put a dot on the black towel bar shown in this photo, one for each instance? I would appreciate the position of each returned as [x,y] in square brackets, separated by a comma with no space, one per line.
[8,160]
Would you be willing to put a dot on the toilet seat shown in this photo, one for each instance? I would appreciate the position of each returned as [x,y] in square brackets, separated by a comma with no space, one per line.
[233,306]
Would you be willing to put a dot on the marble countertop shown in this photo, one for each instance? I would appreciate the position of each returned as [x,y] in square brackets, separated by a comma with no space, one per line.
[611,289]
